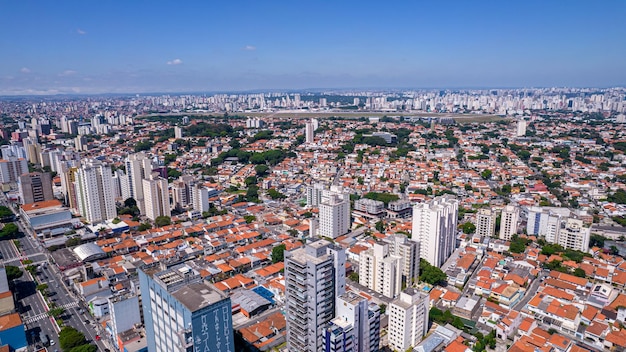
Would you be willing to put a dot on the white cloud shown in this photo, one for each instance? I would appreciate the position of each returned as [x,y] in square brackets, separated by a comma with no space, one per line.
[80,31]
[67,73]
[175,62]
[249,48]
[25,70]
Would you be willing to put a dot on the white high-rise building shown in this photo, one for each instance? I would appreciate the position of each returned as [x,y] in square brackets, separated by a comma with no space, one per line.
[200,197]
[380,271]
[521,128]
[94,191]
[178,132]
[573,235]
[316,124]
[334,213]
[435,227]
[309,132]
[409,252]
[485,222]
[12,168]
[138,168]
[314,194]
[314,277]
[408,319]
[356,327]
[508,222]
[156,197]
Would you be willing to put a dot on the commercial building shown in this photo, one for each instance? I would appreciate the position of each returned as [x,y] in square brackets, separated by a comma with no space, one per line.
[314,277]
[35,187]
[435,227]
[508,222]
[408,319]
[156,197]
[370,208]
[124,313]
[356,326]
[182,312]
[13,332]
[380,271]
[48,218]
[94,191]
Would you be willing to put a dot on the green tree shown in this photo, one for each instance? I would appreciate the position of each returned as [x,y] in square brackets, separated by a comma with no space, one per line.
[5,213]
[143,227]
[486,174]
[278,253]
[518,244]
[274,194]
[468,228]
[431,274]
[130,202]
[13,272]
[75,241]
[580,273]
[162,220]
[42,287]
[596,241]
[261,170]
[354,276]
[383,308]
[380,226]
[9,230]
[56,312]
[85,348]
[70,338]
[249,218]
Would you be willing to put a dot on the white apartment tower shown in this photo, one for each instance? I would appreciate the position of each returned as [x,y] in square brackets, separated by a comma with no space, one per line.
[156,197]
[309,132]
[434,227]
[408,319]
[334,213]
[521,128]
[409,252]
[356,327]
[314,277]
[138,167]
[94,191]
[380,271]
[508,222]
[178,132]
[573,235]
[200,198]
[485,222]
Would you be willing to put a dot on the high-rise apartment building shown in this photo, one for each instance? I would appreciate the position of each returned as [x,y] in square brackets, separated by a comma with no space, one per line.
[334,213]
[156,197]
[408,319]
[409,253]
[314,277]
[380,271]
[485,222]
[178,132]
[94,191]
[200,198]
[309,132]
[435,228]
[521,128]
[12,168]
[314,194]
[508,222]
[35,187]
[356,326]
[138,168]
[573,234]
[184,313]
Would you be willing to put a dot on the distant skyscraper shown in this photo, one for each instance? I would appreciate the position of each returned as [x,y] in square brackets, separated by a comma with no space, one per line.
[434,226]
[35,187]
[408,319]
[314,277]
[521,128]
[485,222]
[309,132]
[334,213]
[178,132]
[156,197]
[380,271]
[323,102]
[182,312]
[356,326]
[508,222]
[94,191]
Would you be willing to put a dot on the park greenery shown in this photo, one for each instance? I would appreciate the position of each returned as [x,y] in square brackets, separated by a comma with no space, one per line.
[431,274]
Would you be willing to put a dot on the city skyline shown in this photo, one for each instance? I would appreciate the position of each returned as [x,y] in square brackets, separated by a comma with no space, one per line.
[84,48]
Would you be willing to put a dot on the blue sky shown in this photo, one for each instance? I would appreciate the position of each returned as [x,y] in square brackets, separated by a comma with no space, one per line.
[174,46]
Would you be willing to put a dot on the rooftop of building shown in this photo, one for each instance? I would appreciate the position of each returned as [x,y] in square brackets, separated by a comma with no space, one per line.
[198,295]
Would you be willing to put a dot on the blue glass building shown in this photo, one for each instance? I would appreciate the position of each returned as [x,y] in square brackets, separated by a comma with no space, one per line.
[184,313]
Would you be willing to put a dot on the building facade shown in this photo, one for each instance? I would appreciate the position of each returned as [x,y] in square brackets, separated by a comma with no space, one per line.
[314,277]
[508,222]
[334,213]
[380,271]
[94,191]
[184,313]
[435,227]
[408,319]
[35,187]
[156,197]
[356,326]
[485,222]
